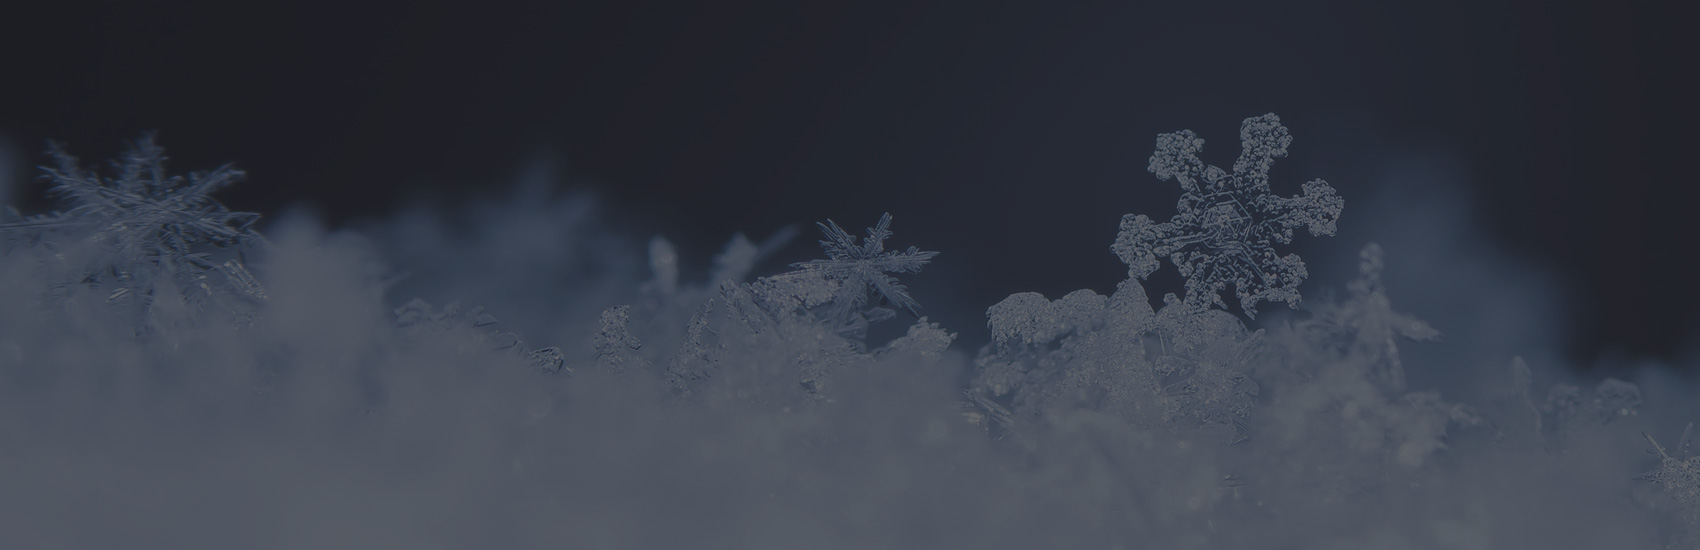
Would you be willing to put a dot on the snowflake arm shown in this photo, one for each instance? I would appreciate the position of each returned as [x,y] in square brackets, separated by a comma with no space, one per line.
[1316,209]
[1262,140]
[1177,157]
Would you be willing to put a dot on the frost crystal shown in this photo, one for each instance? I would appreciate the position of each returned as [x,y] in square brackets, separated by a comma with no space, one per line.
[150,230]
[1227,223]
[858,268]
[142,212]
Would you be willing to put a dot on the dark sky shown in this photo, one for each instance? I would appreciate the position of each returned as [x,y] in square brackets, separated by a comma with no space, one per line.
[1010,135]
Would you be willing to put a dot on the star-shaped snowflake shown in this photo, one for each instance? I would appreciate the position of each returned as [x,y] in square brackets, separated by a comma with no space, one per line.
[141,211]
[859,268]
[1679,473]
[1227,223]
[149,221]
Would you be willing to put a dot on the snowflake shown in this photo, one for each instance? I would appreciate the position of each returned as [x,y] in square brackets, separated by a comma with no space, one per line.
[1227,223]
[858,268]
[1678,473]
[147,219]
[142,211]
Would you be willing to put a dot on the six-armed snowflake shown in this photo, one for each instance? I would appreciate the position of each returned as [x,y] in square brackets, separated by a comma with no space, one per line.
[861,267]
[1227,222]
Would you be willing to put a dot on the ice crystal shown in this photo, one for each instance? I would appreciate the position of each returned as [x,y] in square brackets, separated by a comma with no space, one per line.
[147,235]
[861,267]
[780,340]
[1228,223]
[142,212]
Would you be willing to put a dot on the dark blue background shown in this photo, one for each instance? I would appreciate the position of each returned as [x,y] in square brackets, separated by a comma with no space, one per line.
[1011,136]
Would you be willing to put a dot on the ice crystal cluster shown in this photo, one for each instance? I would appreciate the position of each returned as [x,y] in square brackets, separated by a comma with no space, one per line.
[779,339]
[171,378]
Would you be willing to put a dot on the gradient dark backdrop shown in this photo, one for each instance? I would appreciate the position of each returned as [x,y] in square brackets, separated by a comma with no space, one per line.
[1011,136]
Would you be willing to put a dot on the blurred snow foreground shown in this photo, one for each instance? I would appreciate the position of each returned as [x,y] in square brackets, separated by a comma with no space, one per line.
[173,379]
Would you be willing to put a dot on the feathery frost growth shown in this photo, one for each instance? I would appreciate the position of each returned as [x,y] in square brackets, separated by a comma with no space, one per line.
[777,340]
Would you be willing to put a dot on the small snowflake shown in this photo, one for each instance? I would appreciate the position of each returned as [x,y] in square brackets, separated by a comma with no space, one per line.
[858,268]
[1227,223]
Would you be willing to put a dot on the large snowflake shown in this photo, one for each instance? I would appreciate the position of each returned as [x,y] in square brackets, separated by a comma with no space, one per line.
[151,223]
[144,212]
[1227,224]
[862,267]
